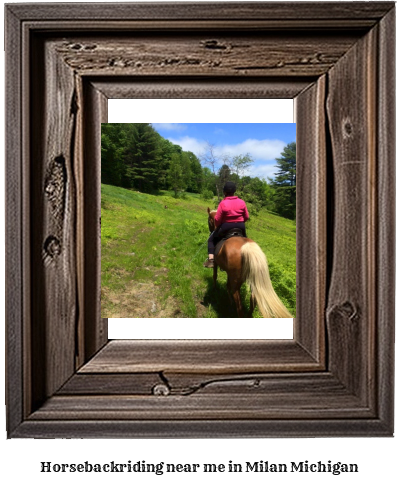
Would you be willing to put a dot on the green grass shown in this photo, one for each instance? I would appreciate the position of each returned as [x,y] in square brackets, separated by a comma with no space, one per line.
[151,257]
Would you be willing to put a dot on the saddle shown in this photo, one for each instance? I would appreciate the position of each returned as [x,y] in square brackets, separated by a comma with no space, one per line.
[233,232]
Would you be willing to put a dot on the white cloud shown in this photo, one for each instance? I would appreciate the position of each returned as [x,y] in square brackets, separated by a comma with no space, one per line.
[190,144]
[263,171]
[175,127]
[260,150]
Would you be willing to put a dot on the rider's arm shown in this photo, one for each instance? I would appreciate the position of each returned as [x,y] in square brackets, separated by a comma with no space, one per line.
[246,214]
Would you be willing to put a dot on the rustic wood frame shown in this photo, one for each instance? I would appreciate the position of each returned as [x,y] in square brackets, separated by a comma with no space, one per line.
[64,379]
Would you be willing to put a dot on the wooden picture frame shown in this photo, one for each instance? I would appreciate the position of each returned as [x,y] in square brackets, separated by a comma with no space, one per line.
[64,378]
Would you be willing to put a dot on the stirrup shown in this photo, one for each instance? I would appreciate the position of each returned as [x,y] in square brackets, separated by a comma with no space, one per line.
[209,263]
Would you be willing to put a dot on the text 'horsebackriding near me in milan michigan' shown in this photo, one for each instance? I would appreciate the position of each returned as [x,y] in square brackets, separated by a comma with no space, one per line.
[240,257]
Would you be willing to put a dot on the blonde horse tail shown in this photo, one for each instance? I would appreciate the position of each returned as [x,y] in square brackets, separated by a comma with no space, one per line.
[255,271]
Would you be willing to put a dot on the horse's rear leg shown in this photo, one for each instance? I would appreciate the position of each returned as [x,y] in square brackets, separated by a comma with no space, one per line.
[237,299]
[229,291]
[235,291]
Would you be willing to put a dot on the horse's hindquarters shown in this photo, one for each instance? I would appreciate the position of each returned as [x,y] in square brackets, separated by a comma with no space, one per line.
[229,256]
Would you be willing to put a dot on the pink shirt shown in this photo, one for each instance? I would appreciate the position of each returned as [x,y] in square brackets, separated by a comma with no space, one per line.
[231,209]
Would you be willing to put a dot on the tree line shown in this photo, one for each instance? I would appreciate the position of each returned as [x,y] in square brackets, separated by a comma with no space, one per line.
[136,156]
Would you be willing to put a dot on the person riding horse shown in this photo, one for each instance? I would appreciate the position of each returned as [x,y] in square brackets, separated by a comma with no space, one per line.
[232,213]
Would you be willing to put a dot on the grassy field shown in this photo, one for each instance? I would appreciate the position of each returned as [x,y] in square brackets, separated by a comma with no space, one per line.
[152,256]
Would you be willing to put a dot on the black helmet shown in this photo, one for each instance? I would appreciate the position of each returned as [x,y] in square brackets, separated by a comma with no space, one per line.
[229,187]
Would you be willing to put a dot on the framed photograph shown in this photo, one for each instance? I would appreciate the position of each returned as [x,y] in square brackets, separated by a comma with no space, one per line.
[154,229]
[65,378]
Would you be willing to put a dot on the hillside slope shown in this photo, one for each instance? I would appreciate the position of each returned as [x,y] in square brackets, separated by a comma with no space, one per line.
[153,248]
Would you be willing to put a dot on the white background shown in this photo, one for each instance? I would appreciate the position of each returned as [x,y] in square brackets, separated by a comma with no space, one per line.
[20,459]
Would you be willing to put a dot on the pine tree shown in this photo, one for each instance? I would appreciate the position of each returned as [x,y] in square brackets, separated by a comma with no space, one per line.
[286,174]
[176,176]
[113,141]
[285,182]
[143,157]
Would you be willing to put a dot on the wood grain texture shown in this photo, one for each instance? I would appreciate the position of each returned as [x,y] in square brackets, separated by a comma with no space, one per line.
[112,384]
[385,245]
[190,428]
[173,88]
[311,218]
[200,356]
[184,384]
[240,55]
[298,24]
[68,60]
[351,307]
[202,407]
[95,329]
[269,396]
[207,11]
[53,222]
[15,235]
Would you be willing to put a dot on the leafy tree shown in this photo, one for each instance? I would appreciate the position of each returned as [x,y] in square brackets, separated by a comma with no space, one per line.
[244,182]
[176,178]
[269,197]
[239,164]
[134,155]
[167,148]
[195,182]
[207,194]
[208,180]
[257,192]
[285,182]
[186,168]
[224,175]
[112,155]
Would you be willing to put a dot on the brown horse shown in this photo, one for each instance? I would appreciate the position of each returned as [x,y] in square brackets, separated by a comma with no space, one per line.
[243,260]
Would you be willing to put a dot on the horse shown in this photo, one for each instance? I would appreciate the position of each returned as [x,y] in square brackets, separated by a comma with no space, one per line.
[243,260]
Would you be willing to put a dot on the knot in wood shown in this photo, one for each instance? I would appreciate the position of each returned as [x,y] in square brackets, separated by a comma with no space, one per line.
[52,246]
[213,44]
[161,390]
[90,47]
[347,311]
[347,128]
[54,189]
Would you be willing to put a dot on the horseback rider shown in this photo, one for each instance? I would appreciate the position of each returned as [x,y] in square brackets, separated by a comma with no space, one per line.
[232,213]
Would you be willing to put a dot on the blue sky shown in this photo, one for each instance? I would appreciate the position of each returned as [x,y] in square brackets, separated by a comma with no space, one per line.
[263,141]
